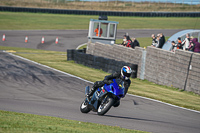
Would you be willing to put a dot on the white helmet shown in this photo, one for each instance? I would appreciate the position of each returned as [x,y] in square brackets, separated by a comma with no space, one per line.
[126,72]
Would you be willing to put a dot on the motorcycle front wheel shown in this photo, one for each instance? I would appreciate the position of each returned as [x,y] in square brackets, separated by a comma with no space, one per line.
[84,107]
[105,106]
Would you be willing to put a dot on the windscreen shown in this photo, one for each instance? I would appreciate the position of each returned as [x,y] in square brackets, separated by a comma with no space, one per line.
[120,83]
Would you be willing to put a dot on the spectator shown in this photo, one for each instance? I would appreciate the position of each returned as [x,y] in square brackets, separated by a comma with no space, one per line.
[186,42]
[126,41]
[174,46]
[196,45]
[97,31]
[157,41]
[154,42]
[191,45]
[162,40]
[128,37]
[135,43]
[179,45]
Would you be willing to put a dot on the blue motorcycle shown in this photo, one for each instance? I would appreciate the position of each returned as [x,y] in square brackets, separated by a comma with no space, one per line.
[104,98]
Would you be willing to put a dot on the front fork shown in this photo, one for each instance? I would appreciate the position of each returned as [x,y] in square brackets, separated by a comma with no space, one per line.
[87,90]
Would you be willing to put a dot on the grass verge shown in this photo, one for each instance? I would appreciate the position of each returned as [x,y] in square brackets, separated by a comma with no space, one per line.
[138,87]
[42,21]
[21,122]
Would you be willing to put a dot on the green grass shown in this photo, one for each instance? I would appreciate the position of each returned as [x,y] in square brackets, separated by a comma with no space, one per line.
[11,122]
[33,21]
[138,87]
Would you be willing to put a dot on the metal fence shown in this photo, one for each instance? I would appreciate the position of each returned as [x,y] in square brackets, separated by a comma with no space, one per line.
[107,13]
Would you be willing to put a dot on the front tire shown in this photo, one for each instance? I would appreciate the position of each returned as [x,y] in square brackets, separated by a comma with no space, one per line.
[84,107]
[105,106]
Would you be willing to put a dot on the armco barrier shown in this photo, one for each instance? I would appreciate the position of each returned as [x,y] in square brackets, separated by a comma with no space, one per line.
[107,13]
[105,64]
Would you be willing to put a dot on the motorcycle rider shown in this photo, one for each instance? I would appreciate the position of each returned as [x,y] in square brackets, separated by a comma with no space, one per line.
[123,75]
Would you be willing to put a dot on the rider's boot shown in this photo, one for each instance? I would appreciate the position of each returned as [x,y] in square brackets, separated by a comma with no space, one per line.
[96,85]
[91,93]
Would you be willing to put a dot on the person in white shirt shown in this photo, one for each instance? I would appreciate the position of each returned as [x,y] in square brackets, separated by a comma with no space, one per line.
[186,42]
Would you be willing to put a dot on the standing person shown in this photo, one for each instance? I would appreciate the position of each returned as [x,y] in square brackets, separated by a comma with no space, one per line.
[97,31]
[128,37]
[135,43]
[154,42]
[157,41]
[196,45]
[186,42]
[162,40]
[179,44]
[126,41]
[129,41]
[191,45]
[173,48]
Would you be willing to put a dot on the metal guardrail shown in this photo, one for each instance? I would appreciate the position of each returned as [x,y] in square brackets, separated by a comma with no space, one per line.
[107,13]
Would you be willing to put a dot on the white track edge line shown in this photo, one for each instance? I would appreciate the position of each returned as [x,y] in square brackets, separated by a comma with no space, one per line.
[93,83]
[81,45]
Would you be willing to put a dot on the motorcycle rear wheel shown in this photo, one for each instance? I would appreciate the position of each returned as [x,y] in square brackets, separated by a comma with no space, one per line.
[105,106]
[84,107]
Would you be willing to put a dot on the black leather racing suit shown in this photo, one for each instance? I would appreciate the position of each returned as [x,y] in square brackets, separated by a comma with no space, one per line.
[108,80]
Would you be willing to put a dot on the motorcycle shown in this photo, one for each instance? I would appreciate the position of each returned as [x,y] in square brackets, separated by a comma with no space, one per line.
[103,98]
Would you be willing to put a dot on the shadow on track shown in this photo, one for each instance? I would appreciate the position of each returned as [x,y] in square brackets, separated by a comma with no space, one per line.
[132,118]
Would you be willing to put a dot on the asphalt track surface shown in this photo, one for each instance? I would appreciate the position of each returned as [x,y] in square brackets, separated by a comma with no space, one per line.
[28,87]
[67,39]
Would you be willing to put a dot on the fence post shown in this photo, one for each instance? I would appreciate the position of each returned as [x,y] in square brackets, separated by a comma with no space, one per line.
[142,72]
[188,72]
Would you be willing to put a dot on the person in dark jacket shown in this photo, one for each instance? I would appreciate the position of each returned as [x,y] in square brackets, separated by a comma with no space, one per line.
[179,44]
[174,45]
[123,75]
[135,43]
[162,40]
[196,45]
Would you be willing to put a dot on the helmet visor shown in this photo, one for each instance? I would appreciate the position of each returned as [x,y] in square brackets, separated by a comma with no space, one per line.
[127,74]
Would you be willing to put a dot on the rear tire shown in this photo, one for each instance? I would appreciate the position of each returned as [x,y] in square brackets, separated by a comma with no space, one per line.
[105,106]
[84,107]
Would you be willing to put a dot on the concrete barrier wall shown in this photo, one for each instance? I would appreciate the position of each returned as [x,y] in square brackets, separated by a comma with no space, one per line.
[167,68]
[117,52]
[105,64]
